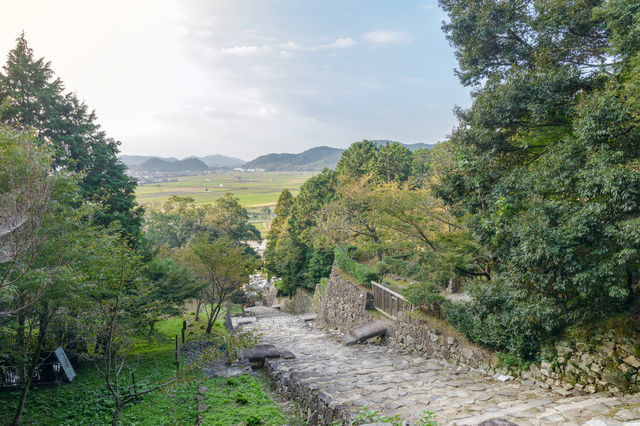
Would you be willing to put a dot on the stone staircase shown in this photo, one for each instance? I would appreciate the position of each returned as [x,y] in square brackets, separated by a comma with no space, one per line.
[335,381]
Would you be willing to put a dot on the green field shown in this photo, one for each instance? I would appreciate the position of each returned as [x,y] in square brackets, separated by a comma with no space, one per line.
[252,188]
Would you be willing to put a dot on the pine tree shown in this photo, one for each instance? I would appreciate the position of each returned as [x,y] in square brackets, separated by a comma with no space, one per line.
[36,100]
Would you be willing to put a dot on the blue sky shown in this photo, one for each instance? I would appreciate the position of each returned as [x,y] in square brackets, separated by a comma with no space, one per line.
[246,78]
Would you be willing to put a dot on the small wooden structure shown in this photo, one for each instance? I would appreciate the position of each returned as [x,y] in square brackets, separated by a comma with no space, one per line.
[387,301]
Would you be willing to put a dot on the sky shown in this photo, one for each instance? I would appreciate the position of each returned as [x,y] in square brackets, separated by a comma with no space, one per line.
[244,78]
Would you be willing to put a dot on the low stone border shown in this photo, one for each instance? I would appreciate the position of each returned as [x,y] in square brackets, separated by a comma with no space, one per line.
[317,408]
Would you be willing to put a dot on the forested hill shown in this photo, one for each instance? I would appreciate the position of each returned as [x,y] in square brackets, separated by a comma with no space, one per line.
[410,147]
[158,165]
[314,159]
[210,160]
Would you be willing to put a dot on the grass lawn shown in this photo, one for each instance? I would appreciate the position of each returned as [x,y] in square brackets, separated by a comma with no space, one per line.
[87,401]
[395,285]
[253,189]
[245,400]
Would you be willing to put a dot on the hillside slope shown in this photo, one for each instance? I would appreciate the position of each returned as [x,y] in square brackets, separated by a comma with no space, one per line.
[314,159]
[158,165]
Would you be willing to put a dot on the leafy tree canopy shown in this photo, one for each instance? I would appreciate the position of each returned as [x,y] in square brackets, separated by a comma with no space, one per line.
[544,165]
[34,100]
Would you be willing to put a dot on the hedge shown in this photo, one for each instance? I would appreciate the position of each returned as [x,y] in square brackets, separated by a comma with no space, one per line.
[360,272]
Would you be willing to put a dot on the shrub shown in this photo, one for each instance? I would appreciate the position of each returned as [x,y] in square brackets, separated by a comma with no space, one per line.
[427,297]
[362,273]
[253,421]
[505,318]
[241,399]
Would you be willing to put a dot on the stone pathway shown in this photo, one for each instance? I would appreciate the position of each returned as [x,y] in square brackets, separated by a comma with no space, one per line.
[395,382]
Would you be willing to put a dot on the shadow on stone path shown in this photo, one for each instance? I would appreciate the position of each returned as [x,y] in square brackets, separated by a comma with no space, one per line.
[395,382]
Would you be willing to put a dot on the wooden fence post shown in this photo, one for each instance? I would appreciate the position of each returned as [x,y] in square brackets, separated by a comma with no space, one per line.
[177,353]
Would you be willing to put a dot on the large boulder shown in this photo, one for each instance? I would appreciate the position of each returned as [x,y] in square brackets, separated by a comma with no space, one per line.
[260,353]
[369,330]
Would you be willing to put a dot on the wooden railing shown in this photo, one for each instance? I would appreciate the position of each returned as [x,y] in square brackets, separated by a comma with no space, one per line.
[387,301]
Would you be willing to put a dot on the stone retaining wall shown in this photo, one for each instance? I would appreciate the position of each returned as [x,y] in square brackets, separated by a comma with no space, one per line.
[270,298]
[317,408]
[300,304]
[603,360]
[417,335]
[344,305]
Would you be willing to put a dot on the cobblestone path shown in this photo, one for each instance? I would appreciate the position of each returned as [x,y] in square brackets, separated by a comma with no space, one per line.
[395,382]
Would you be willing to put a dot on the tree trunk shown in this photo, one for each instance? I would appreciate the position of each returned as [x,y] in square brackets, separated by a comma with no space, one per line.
[32,369]
[116,414]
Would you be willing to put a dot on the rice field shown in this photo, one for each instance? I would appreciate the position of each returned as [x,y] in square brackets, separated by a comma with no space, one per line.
[254,189]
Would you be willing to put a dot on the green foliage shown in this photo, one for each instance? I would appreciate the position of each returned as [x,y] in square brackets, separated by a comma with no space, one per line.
[87,401]
[292,255]
[253,420]
[240,399]
[386,163]
[36,101]
[426,296]
[512,362]
[362,273]
[505,317]
[223,409]
[221,267]
[544,165]
[397,265]
[426,418]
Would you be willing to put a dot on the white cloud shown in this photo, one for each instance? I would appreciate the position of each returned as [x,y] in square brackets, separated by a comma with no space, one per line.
[338,44]
[341,42]
[425,6]
[384,37]
[246,50]
[411,80]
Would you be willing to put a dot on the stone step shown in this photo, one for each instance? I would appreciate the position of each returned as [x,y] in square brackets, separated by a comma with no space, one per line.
[395,382]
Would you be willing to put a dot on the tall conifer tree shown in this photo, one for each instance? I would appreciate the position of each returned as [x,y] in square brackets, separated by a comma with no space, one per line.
[36,100]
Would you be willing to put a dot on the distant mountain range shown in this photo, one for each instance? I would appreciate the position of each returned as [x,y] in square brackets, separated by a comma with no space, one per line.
[158,165]
[210,160]
[314,159]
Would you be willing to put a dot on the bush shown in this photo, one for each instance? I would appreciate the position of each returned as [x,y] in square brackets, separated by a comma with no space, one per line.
[253,421]
[241,399]
[505,318]
[360,272]
[398,266]
[427,297]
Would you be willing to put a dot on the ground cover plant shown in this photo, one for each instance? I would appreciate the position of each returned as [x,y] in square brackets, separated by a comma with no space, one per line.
[242,400]
[87,401]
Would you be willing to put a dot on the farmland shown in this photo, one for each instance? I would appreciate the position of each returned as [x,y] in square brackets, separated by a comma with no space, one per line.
[254,189]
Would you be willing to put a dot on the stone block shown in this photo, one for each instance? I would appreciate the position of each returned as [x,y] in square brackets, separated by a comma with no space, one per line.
[308,317]
[632,361]
[497,422]
[534,370]
[347,340]
[287,355]
[260,353]
[612,375]
[369,330]
[246,320]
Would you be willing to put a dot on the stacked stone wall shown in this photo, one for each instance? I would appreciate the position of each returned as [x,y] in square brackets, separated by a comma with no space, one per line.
[601,361]
[417,335]
[270,298]
[317,408]
[344,305]
[300,304]
[604,360]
